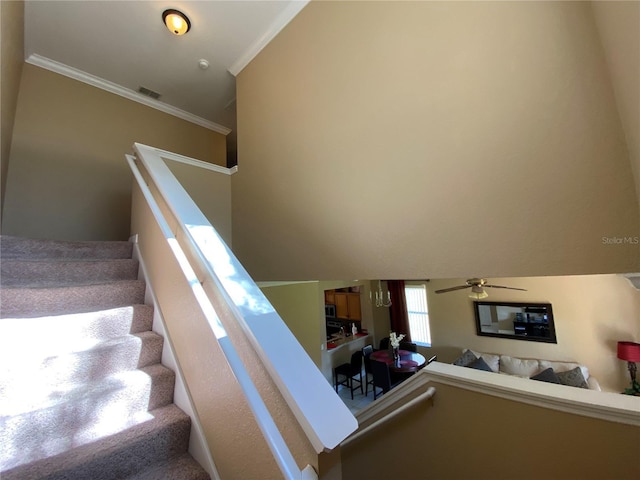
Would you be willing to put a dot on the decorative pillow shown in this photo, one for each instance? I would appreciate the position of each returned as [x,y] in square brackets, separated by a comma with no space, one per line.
[521,367]
[573,378]
[480,364]
[492,360]
[465,359]
[547,375]
[564,366]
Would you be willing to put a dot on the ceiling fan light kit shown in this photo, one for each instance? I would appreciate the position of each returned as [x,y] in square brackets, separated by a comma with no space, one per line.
[478,293]
[176,21]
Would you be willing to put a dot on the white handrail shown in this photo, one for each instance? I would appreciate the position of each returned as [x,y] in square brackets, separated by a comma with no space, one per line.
[430,392]
[322,415]
[267,425]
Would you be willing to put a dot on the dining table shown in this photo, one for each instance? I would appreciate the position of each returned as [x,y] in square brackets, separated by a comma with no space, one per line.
[407,362]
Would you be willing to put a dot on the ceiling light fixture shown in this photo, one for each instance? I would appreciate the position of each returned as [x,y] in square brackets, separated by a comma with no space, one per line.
[176,21]
[380,297]
[478,293]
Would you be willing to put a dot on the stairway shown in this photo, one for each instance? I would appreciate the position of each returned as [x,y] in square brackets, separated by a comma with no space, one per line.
[83,394]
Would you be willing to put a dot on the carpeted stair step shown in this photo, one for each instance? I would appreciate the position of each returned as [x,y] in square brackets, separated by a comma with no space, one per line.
[151,387]
[49,273]
[32,302]
[12,247]
[98,361]
[182,467]
[83,394]
[52,334]
[81,414]
[164,435]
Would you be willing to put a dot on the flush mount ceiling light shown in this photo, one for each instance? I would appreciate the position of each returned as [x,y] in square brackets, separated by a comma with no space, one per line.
[176,21]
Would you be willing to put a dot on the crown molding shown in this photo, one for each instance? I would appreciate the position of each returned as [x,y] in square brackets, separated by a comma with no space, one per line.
[278,24]
[84,77]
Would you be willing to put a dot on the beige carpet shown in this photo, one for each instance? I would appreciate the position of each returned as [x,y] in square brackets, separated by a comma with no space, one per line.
[83,394]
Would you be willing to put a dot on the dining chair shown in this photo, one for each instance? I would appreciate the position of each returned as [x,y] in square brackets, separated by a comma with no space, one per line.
[408,346]
[350,371]
[368,374]
[384,343]
[381,378]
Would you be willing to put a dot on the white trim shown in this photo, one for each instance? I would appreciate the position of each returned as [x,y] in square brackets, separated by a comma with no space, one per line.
[308,473]
[194,162]
[84,77]
[612,407]
[281,21]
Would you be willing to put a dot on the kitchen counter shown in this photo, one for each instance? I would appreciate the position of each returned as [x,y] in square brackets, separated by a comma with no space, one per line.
[344,348]
[337,341]
[338,350]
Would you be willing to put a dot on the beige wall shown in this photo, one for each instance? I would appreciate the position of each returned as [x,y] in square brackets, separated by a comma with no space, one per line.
[591,314]
[299,307]
[619,28]
[468,435]
[211,192]
[432,139]
[12,41]
[68,178]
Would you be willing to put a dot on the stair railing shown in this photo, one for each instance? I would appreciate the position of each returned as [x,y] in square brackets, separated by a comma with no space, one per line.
[321,414]
[423,397]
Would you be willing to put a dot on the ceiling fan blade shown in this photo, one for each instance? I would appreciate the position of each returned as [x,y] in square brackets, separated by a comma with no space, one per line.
[460,287]
[509,288]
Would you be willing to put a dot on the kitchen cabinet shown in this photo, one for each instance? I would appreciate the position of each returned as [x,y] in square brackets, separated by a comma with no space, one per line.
[330,297]
[348,305]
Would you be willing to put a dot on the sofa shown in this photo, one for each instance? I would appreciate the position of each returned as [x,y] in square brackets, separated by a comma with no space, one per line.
[563,373]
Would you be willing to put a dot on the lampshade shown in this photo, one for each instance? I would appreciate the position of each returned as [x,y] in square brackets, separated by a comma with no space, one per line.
[176,21]
[629,351]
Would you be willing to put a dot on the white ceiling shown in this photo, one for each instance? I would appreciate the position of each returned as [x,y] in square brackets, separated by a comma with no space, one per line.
[126,45]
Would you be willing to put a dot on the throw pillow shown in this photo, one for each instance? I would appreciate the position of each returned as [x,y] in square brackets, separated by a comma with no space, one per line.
[564,366]
[492,360]
[522,367]
[465,359]
[547,375]
[573,378]
[480,364]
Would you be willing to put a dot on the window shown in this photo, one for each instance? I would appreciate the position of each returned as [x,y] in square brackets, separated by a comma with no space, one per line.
[418,312]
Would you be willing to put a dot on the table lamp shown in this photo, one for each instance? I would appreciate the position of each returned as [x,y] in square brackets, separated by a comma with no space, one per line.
[630,352]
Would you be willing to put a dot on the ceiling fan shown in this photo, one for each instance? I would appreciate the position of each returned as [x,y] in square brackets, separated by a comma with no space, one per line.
[477,286]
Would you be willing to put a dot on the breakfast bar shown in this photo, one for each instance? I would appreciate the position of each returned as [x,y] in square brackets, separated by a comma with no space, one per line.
[340,347]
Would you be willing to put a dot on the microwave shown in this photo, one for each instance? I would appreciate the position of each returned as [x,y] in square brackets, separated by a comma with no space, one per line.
[329,310]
